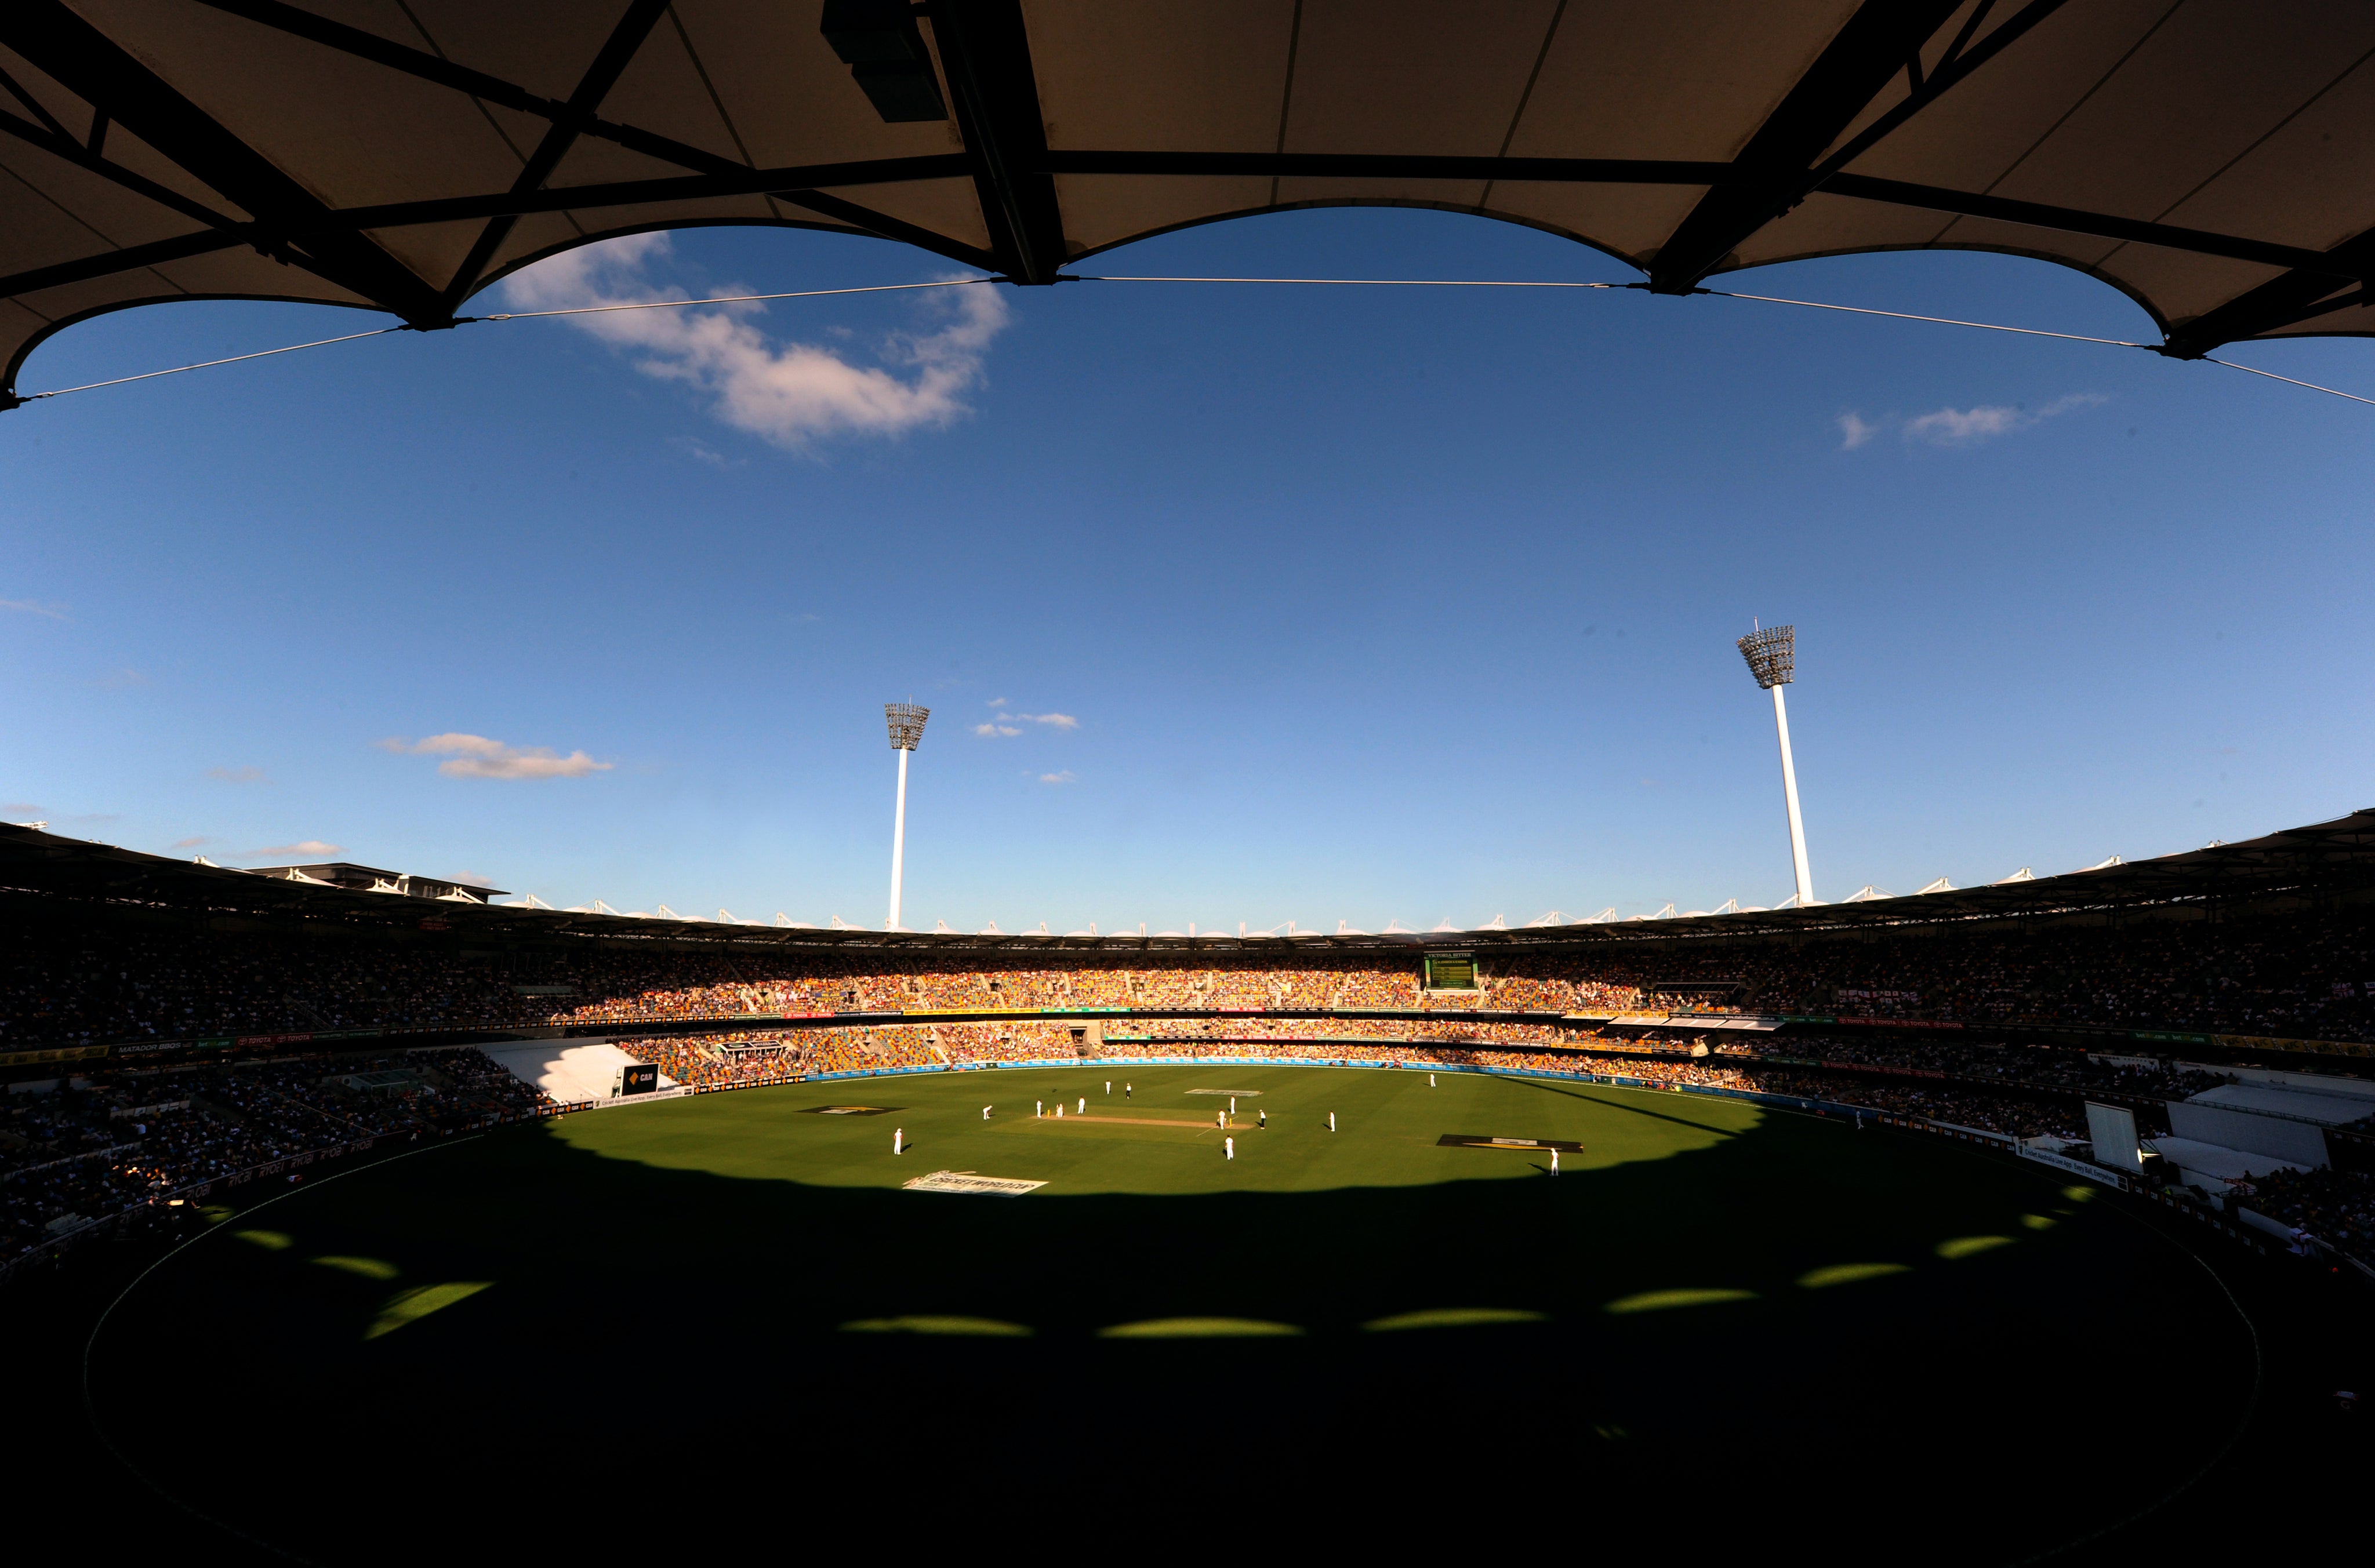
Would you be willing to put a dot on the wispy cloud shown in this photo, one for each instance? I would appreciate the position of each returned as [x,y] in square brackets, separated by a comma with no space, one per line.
[30,606]
[118,680]
[239,775]
[1055,721]
[1961,427]
[1065,777]
[475,757]
[475,879]
[304,849]
[996,729]
[198,843]
[14,808]
[790,395]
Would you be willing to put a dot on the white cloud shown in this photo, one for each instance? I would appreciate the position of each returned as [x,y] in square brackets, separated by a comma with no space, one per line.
[1966,427]
[996,729]
[998,701]
[29,606]
[238,775]
[475,757]
[194,843]
[791,394]
[475,879]
[304,849]
[1854,431]
[1058,720]
[1063,778]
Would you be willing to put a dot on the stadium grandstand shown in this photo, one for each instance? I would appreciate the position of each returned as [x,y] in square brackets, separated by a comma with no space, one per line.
[2003,1009]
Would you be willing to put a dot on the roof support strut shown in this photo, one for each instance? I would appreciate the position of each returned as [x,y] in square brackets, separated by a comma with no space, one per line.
[87,63]
[2300,295]
[987,58]
[600,76]
[1770,171]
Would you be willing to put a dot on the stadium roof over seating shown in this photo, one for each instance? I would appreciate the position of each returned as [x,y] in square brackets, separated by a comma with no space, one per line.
[2210,160]
[2322,860]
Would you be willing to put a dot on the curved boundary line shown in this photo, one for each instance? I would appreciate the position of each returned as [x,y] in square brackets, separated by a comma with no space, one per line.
[2242,1424]
[90,1407]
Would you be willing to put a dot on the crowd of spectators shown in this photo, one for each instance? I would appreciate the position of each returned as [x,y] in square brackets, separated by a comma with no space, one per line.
[2337,1207]
[93,1147]
[2298,977]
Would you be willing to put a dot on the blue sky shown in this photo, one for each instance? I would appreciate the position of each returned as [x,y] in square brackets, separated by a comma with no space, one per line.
[1326,604]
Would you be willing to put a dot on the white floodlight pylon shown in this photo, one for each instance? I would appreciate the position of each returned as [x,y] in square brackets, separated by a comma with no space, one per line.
[906,723]
[1772,655]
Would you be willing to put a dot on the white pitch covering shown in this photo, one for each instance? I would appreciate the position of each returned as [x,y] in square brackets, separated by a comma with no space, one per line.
[569,1071]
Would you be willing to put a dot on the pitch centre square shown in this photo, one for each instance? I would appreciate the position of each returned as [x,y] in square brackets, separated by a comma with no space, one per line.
[1486,1141]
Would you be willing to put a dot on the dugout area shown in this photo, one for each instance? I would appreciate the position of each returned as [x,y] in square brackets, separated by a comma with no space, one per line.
[678,1329]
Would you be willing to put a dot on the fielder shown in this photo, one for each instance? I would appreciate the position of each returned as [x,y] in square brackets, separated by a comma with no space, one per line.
[984,1112]
[1231,1145]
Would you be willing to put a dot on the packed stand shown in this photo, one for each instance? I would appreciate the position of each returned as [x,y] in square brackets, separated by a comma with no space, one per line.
[2307,978]
[99,1145]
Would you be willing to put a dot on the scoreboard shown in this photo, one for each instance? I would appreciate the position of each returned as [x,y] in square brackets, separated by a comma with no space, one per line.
[1450,971]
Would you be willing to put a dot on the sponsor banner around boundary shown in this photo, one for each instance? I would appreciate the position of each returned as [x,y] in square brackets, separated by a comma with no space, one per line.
[2086,1168]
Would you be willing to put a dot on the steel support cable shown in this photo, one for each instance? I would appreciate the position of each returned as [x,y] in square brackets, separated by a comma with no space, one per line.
[1112,277]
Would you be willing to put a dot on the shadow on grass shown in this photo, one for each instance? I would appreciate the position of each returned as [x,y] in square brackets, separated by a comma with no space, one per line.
[639,1328]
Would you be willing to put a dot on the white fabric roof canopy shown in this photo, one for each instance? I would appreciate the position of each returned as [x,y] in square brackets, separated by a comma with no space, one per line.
[2209,157]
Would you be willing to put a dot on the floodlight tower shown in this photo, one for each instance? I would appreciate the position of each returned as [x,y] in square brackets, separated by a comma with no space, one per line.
[907,722]
[1772,656]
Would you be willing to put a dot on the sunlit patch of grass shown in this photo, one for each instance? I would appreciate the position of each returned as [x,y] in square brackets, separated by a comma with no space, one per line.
[930,1322]
[215,1213]
[369,1267]
[411,1306]
[1969,1246]
[2039,1221]
[270,1241]
[1452,1317]
[1848,1274]
[1661,1301]
[1198,1328]
[2077,1194]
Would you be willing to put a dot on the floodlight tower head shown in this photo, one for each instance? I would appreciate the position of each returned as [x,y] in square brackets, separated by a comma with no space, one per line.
[1772,655]
[907,722]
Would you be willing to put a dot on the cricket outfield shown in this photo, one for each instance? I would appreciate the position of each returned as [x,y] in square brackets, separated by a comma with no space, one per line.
[686,1325]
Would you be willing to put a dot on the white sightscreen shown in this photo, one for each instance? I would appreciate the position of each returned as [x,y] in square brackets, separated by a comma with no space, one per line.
[2112,1130]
